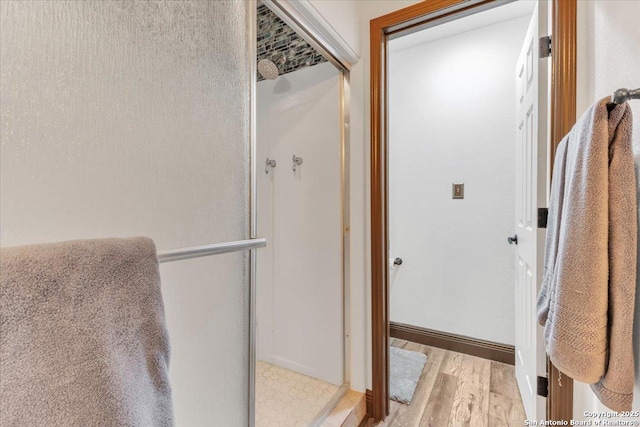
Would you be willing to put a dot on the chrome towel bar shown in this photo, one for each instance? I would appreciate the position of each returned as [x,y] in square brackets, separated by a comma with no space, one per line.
[213,249]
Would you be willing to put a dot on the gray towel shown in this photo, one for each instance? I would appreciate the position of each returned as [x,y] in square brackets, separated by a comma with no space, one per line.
[83,340]
[588,292]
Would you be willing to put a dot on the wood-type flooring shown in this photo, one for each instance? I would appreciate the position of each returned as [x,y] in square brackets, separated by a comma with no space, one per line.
[457,390]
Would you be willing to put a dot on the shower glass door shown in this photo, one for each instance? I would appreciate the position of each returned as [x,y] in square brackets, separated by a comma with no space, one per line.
[127,118]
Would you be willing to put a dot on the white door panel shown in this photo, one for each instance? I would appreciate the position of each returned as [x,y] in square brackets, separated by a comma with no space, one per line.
[531,159]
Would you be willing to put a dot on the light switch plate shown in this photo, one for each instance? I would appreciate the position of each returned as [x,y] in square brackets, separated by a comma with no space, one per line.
[458,191]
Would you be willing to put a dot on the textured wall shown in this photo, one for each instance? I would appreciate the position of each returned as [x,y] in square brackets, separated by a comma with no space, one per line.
[345,17]
[275,38]
[452,119]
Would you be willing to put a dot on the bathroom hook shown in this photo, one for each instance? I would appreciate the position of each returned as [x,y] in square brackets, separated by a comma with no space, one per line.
[269,163]
[297,161]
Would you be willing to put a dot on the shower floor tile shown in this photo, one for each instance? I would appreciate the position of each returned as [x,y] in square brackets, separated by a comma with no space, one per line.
[287,398]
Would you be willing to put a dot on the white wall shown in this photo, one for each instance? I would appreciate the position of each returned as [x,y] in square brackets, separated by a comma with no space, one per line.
[452,120]
[360,296]
[361,196]
[344,17]
[299,291]
[125,119]
[608,46]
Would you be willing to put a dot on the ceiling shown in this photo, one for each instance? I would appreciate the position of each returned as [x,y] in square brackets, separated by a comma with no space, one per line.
[502,13]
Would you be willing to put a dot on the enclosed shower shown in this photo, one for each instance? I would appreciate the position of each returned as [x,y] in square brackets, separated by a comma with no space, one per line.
[299,309]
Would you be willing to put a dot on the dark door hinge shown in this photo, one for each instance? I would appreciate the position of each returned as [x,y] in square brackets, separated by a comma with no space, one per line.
[545,47]
[543,215]
[543,387]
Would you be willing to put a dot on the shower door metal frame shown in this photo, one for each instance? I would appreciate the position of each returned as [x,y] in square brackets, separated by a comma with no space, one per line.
[306,26]
[252,48]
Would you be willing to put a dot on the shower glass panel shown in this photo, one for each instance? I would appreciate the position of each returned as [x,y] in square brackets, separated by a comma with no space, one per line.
[126,118]
[300,372]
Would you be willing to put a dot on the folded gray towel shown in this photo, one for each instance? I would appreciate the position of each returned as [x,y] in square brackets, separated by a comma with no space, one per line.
[588,291]
[83,339]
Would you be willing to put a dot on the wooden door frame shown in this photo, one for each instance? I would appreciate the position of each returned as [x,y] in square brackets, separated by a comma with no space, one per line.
[563,116]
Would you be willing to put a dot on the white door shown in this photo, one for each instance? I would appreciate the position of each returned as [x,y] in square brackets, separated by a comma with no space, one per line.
[531,194]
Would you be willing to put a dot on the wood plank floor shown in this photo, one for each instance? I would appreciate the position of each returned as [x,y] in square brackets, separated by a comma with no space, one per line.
[456,389]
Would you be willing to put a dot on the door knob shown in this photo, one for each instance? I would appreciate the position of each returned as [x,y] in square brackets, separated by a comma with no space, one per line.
[397,261]
[513,240]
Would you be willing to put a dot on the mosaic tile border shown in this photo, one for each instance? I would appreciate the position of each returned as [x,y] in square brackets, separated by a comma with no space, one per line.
[275,37]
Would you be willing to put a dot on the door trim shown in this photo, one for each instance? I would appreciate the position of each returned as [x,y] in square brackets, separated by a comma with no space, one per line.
[563,117]
[563,110]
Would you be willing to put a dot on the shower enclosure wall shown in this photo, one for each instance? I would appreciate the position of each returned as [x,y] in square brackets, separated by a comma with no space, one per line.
[299,294]
[302,184]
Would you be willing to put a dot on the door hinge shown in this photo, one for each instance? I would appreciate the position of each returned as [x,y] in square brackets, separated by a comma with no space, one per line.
[545,47]
[543,215]
[543,386]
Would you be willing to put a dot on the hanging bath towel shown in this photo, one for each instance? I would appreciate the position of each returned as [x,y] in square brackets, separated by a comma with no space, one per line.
[587,298]
[83,340]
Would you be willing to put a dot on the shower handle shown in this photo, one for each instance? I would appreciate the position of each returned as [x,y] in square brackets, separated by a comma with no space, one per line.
[297,161]
[269,163]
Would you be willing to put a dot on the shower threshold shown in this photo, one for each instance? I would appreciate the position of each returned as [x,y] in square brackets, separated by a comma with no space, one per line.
[288,398]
